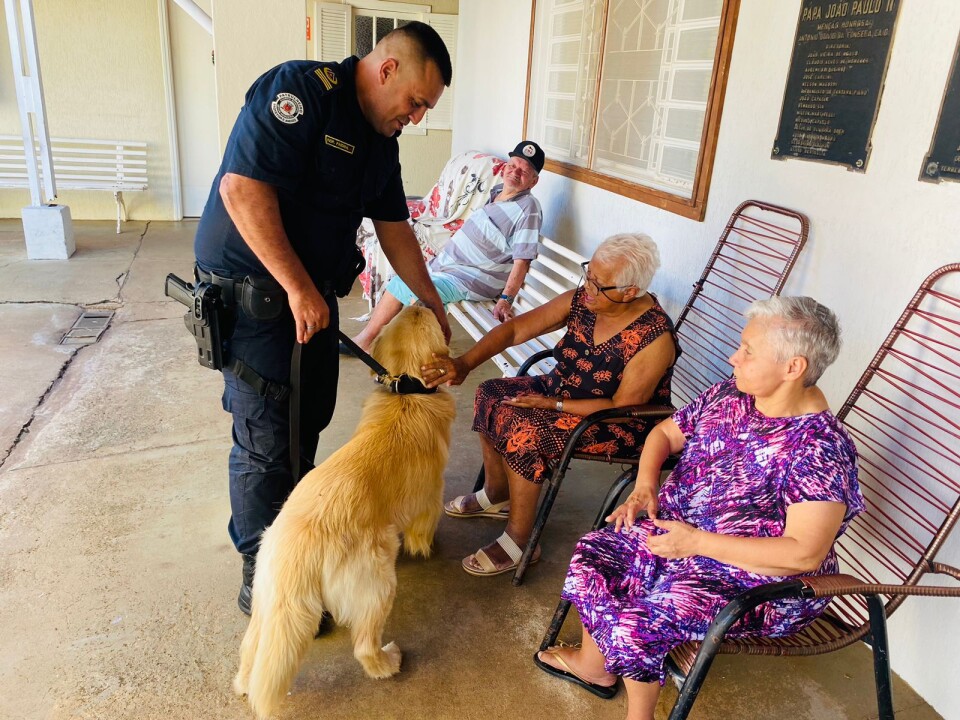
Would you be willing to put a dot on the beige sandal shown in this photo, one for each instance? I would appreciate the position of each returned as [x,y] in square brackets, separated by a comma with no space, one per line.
[455,508]
[490,568]
[565,672]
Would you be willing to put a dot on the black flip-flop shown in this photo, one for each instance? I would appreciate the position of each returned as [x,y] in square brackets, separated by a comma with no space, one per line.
[601,691]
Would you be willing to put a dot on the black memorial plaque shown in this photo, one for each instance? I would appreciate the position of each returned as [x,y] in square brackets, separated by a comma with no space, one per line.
[836,76]
[943,160]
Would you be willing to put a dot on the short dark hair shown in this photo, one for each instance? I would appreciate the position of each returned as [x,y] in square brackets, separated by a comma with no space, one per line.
[429,46]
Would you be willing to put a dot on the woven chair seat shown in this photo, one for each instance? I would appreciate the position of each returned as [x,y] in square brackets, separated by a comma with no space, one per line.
[824,635]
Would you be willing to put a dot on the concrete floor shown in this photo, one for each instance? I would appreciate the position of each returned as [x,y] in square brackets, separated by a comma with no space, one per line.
[118,581]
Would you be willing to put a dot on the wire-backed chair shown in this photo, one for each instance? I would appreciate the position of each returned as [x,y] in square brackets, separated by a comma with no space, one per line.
[755,254]
[904,415]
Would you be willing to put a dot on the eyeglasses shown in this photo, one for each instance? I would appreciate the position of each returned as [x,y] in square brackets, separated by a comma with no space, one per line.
[594,287]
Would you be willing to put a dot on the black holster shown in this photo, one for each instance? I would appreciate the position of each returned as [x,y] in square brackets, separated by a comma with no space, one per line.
[206,317]
[212,303]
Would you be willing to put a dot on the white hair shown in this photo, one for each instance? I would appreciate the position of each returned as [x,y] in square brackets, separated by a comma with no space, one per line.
[635,256]
[800,326]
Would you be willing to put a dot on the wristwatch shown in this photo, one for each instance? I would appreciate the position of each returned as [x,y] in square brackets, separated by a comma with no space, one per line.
[508,298]
[559,406]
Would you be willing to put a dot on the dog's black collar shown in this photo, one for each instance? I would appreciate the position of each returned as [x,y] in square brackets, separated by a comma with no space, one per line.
[404,385]
[399,384]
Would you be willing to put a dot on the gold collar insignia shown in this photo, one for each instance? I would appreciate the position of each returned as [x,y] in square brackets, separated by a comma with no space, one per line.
[327,77]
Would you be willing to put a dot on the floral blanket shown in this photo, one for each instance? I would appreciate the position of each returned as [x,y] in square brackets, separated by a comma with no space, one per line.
[464,186]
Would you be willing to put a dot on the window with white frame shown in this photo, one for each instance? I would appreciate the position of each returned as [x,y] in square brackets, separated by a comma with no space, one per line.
[369,26]
[626,94]
[353,27]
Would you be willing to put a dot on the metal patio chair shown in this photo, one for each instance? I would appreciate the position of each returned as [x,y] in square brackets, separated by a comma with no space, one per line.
[755,254]
[904,415]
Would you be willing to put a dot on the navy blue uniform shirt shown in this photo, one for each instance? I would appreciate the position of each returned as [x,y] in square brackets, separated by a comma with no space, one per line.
[301,130]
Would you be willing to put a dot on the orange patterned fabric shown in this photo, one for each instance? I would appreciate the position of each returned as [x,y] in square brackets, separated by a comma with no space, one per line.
[528,439]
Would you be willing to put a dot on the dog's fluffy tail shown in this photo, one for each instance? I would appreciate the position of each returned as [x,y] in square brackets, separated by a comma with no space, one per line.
[286,610]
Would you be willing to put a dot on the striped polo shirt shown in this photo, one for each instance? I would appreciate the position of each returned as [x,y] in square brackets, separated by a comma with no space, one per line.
[479,257]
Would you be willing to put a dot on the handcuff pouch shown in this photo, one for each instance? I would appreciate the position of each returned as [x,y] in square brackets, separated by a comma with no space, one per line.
[262,298]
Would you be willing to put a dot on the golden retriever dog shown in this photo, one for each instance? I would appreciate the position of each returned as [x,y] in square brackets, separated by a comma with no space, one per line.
[335,542]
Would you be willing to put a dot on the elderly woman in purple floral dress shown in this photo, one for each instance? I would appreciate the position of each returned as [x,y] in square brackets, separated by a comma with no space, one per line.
[618,349]
[767,480]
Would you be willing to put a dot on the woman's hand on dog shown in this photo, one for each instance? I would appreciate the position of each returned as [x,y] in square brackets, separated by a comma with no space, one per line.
[444,370]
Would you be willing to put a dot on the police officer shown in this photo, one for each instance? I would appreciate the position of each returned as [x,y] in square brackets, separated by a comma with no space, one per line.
[313,151]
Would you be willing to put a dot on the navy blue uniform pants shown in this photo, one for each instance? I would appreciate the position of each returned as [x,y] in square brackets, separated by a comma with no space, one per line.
[260,473]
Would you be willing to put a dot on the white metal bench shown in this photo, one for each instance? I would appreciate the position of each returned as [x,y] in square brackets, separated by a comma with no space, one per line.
[115,165]
[556,270]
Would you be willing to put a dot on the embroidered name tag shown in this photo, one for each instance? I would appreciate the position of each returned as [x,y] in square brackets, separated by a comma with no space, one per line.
[338,144]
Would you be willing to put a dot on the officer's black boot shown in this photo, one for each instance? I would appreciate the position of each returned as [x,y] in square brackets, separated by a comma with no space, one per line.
[326,624]
[245,599]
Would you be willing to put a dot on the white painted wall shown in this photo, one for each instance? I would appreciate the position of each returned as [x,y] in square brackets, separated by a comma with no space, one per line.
[103,79]
[194,87]
[250,37]
[873,236]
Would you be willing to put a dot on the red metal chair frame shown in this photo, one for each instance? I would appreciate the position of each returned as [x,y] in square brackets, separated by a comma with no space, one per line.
[904,414]
[752,260]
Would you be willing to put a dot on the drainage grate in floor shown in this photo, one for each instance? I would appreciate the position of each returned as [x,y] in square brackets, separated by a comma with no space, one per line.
[87,329]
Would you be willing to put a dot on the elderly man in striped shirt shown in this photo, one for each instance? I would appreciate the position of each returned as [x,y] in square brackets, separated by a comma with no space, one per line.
[489,256]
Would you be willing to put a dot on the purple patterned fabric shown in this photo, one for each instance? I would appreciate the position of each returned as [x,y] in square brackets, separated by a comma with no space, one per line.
[738,474]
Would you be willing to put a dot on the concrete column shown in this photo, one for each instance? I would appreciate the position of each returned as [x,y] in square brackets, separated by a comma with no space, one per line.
[49,232]
[47,229]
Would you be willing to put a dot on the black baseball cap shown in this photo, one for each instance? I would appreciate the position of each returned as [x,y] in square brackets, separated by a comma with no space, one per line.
[531,152]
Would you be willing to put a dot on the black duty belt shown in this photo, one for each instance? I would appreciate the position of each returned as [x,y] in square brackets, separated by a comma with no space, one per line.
[231,289]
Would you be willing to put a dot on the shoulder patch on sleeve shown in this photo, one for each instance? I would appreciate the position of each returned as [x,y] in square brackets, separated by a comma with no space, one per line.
[287,108]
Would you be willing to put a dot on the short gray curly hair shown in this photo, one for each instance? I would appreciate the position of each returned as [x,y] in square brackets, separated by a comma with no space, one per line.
[801,326]
[636,257]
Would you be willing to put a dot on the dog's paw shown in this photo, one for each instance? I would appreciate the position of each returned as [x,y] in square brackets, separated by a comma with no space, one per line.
[383,663]
[392,651]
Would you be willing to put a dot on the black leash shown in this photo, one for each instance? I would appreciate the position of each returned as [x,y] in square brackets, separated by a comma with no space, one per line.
[399,384]
[296,459]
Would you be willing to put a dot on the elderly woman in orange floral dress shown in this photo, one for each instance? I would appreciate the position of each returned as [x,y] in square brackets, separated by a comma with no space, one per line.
[618,350]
